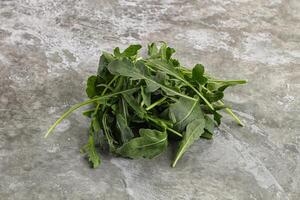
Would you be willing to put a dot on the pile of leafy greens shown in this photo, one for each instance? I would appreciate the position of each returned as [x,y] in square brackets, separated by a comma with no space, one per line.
[138,105]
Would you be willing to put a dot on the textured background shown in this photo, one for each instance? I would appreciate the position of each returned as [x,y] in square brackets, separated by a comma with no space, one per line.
[49,48]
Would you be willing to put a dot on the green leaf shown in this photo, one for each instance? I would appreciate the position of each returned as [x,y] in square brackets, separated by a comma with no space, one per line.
[146,96]
[183,112]
[126,68]
[142,113]
[123,108]
[132,50]
[206,135]
[221,85]
[91,151]
[169,52]
[163,52]
[107,131]
[88,113]
[197,74]
[167,68]
[214,96]
[193,131]
[217,117]
[139,111]
[152,50]
[151,86]
[117,52]
[126,133]
[95,123]
[91,86]
[105,59]
[209,124]
[150,144]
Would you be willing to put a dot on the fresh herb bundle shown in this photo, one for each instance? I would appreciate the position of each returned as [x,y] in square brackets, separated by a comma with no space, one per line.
[140,104]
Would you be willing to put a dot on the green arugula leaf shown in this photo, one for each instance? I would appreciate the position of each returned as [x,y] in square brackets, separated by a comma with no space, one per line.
[150,144]
[126,68]
[209,128]
[117,52]
[91,151]
[221,85]
[91,90]
[142,113]
[193,131]
[163,66]
[197,74]
[217,117]
[183,112]
[107,132]
[105,59]
[132,50]
[152,50]
[206,135]
[135,106]
[214,96]
[169,52]
[126,133]
[96,123]
[146,96]
[209,124]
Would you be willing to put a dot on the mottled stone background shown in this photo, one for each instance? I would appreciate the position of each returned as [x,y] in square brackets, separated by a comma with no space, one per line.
[49,48]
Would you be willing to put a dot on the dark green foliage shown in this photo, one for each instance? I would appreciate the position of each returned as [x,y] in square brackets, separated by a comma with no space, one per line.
[149,144]
[140,104]
[198,74]
[193,132]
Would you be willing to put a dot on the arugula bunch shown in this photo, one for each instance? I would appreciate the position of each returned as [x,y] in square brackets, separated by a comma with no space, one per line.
[139,104]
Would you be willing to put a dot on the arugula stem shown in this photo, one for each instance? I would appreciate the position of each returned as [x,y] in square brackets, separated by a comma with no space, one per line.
[229,111]
[125,111]
[175,132]
[112,80]
[87,111]
[156,103]
[108,87]
[76,106]
[169,89]
[201,96]
[97,108]
[228,81]
[168,128]
[105,86]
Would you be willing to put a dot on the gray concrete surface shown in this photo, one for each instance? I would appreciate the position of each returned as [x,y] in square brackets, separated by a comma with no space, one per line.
[49,48]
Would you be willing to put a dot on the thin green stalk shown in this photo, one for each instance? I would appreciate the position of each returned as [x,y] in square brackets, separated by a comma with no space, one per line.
[76,106]
[97,108]
[87,111]
[156,103]
[229,111]
[105,86]
[175,132]
[124,109]
[201,96]
[171,90]
[165,127]
[228,81]
[105,89]
[112,80]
